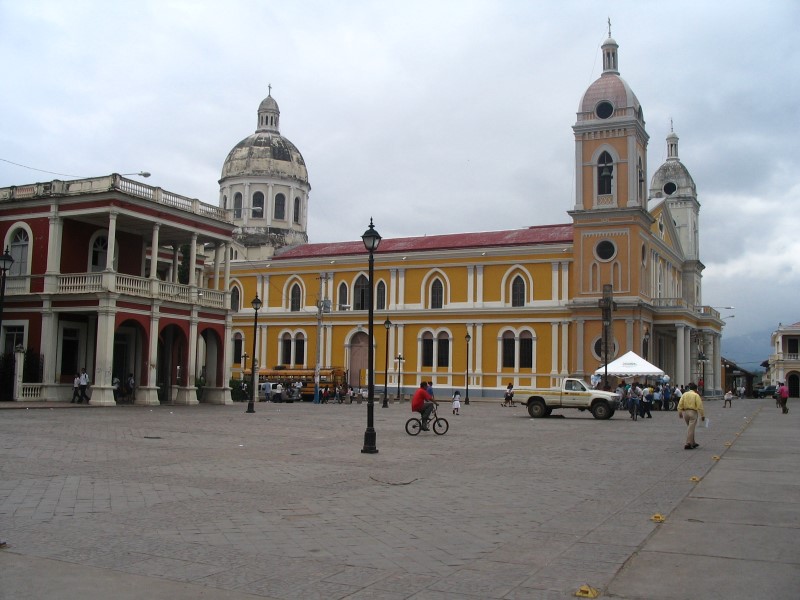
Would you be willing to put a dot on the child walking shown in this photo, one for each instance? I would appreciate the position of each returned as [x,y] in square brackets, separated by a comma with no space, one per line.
[456,402]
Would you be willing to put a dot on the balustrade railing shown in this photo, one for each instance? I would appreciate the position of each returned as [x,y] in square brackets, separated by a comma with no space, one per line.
[131,285]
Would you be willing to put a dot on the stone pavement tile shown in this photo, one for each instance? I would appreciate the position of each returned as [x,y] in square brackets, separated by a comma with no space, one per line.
[743,512]
[39,578]
[729,482]
[357,576]
[669,576]
[482,584]
[754,542]
[173,569]
[405,582]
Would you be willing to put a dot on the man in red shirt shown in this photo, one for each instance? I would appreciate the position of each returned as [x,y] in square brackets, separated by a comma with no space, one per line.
[421,403]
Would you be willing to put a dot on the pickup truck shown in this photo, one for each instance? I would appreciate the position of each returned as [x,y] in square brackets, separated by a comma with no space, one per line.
[573,393]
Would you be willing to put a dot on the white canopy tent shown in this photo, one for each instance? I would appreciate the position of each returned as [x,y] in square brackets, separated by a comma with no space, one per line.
[630,365]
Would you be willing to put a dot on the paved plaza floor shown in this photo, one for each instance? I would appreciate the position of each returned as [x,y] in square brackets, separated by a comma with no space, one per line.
[178,503]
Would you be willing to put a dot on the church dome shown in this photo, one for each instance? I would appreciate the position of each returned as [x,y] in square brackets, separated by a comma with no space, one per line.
[672,179]
[610,95]
[266,153]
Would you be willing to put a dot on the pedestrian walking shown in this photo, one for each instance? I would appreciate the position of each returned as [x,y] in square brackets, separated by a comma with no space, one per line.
[76,389]
[508,397]
[728,399]
[783,397]
[689,407]
[84,383]
[456,402]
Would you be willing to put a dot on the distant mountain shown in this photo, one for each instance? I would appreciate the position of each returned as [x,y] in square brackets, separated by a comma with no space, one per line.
[749,350]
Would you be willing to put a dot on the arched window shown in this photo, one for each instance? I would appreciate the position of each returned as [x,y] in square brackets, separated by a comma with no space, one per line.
[525,350]
[258,205]
[427,349]
[286,349]
[640,173]
[294,296]
[280,207]
[518,292]
[237,206]
[299,349]
[343,296]
[100,254]
[237,348]
[437,294]
[361,293]
[380,296]
[296,213]
[236,300]
[443,350]
[509,348]
[605,173]
[19,250]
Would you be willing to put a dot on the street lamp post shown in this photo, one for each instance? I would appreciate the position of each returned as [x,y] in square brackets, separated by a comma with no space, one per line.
[6,261]
[399,358]
[467,337]
[387,324]
[371,239]
[256,303]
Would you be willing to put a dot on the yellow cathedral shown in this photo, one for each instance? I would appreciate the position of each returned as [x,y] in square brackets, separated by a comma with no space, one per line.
[477,311]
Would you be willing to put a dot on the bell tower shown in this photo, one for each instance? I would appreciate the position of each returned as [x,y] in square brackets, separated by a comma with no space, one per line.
[610,216]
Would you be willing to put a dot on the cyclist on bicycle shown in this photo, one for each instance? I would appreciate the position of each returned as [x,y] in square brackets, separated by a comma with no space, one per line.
[422,403]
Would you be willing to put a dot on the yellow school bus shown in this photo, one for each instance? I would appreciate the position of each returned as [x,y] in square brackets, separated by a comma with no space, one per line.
[330,376]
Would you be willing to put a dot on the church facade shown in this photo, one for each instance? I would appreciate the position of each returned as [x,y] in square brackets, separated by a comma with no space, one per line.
[479,310]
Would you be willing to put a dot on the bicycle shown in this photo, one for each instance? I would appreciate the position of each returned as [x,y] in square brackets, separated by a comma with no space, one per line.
[440,424]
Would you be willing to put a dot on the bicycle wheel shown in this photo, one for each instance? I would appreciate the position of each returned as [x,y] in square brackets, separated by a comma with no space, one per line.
[440,426]
[413,426]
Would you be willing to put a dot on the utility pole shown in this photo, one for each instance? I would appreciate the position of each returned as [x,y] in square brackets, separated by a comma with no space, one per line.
[607,305]
[323,306]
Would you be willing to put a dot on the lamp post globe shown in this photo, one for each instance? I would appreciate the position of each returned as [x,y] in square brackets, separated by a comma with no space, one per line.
[372,240]
[256,304]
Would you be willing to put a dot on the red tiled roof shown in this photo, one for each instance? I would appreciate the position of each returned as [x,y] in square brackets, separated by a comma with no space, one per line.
[540,234]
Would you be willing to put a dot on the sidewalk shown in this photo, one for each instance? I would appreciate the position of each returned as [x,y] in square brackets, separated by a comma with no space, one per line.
[736,534]
[178,503]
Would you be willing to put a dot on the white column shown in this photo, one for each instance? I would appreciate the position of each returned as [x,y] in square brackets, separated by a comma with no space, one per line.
[269,209]
[579,333]
[54,250]
[102,392]
[687,345]
[479,286]
[554,287]
[564,281]
[154,251]
[470,285]
[401,289]
[112,240]
[554,349]
[193,261]
[565,348]
[680,355]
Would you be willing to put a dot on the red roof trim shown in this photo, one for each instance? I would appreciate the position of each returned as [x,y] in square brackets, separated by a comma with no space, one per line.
[540,234]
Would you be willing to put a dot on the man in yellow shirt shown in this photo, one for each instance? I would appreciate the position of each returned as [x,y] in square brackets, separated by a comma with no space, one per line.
[689,406]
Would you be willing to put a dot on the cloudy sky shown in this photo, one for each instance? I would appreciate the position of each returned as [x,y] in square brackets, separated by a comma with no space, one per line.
[429,116]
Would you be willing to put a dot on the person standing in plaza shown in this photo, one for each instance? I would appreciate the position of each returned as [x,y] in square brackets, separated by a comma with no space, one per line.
[456,402]
[689,407]
[84,383]
[76,389]
[728,399]
[783,397]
